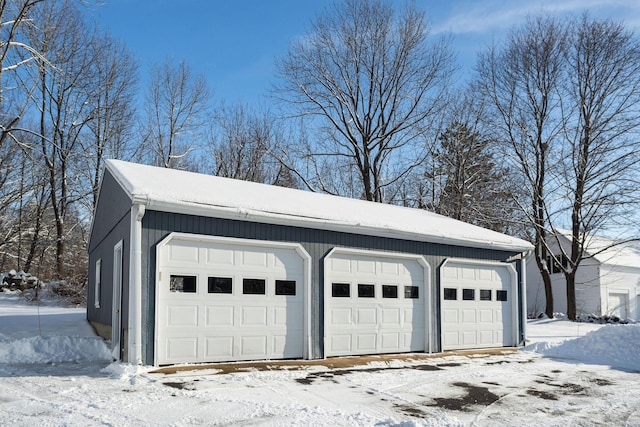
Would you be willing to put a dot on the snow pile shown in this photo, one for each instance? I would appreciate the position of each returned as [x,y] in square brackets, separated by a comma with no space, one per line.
[46,331]
[126,372]
[614,345]
[53,349]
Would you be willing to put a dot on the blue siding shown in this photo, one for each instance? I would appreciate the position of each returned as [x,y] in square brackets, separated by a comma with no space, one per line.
[110,225]
[113,204]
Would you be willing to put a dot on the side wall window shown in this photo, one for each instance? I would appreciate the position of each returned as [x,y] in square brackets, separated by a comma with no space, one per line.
[97,287]
[557,266]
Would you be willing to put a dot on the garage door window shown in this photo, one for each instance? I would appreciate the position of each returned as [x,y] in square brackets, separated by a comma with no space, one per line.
[220,285]
[501,295]
[450,294]
[254,286]
[285,287]
[389,291]
[340,290]
[468,294]
[411,292]
[366,291]
[485,294]
[185,284]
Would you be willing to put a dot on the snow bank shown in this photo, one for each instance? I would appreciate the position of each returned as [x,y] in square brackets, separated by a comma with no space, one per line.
[46,331]
[613,345]
[54,349]
[126,372]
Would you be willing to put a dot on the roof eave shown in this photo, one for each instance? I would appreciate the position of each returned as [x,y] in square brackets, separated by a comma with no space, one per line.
[217,211]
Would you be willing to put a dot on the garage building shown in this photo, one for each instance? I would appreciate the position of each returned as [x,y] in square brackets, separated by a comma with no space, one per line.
[192,268]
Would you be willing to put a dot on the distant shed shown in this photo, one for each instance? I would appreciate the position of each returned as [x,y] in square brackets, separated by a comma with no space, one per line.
[189,268]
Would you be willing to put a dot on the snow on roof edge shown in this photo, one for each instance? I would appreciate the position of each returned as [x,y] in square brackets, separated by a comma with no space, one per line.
[321,224]
[177,191]
[608,251]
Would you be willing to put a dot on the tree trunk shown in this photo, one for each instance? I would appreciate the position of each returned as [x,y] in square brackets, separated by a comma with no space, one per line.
[546,279]
[36,234]
[571,296]
[60,252]
[540,239]
[548,293]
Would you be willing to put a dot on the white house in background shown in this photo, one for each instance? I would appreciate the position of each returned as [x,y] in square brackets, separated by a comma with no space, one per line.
[607,283]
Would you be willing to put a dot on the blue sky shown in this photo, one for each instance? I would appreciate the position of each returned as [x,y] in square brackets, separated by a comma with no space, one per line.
[234,42]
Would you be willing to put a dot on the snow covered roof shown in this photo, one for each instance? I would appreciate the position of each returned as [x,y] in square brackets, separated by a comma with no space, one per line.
[610,251]
[198,194]
[625,254]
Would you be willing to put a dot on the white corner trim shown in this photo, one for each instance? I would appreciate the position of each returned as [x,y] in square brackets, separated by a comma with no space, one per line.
[135,285]
[116,306]
[523,315]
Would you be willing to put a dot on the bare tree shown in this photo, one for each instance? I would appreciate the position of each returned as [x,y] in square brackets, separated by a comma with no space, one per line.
[176,107]
[9,197]
[602,117]
[242,146]
[521,84]
[36,203]
[567,96]
[62,100]
[15,52]
[72,93]
[28,208]
[113,75]
[374,81]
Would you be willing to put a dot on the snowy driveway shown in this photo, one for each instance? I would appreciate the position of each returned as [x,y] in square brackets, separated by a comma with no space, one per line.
[53,372]
[519,389]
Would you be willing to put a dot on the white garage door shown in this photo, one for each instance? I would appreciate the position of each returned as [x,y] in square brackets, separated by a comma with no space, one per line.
[229,299]
[618,304]
[374,303]
[477,303]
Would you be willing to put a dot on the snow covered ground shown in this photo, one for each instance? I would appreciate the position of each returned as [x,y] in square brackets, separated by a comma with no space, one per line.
[55,372]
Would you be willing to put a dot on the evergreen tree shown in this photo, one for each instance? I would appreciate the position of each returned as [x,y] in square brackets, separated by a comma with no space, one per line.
[474,187]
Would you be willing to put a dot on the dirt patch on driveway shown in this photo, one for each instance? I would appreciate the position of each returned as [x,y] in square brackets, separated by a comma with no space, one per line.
[330,363]
[330,375]
[474,395]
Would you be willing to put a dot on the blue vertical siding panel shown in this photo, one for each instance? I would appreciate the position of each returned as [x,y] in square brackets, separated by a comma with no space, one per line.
[110,225]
